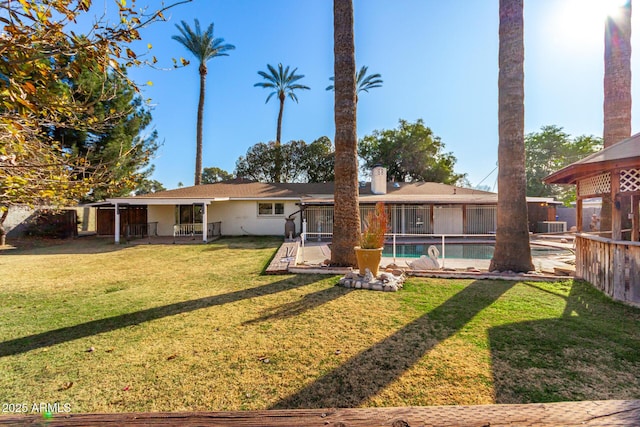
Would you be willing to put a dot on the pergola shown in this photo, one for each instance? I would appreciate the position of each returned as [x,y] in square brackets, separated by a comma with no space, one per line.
[610,264]
[612,174]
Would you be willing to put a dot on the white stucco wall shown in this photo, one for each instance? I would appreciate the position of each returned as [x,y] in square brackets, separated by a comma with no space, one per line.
[238,218]
[241,217]
[165,216]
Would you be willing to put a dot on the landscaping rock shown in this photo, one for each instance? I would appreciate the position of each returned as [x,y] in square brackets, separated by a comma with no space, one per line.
[384,282]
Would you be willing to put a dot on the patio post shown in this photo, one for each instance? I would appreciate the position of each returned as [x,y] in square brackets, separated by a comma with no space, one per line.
[117,224]
[636,217]
[205,224]
[579,214]
[616,208]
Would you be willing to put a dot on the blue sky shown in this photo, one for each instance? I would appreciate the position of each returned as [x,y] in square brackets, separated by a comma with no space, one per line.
[438,60]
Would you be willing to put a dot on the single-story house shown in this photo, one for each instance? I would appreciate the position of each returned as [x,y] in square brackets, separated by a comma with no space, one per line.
[254,208]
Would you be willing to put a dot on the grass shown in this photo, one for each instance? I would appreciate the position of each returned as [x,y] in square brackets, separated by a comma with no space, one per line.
[111,328]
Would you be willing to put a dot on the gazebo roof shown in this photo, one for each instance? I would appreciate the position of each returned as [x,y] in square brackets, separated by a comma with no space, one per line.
[622,154]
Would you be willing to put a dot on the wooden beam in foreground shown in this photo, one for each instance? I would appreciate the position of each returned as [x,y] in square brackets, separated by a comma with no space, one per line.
[588,413]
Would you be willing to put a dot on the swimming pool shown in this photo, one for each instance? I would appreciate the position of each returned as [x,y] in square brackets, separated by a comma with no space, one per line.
[461,250]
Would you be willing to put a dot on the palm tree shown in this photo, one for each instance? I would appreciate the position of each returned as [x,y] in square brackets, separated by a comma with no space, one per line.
[346,219]
[617,88]
[512,250]
[204,47]
[363,82]
[283,84]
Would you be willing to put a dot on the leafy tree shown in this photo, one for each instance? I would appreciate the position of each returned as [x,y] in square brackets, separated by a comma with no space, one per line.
[301,162]
[118,150]
[410,153]
[512,250]
[364,82]
[318,161]
[259,164]
[214,174]
[483,187]
[204,47]
[549,150]
[35,46]
[148,186]
[346,214]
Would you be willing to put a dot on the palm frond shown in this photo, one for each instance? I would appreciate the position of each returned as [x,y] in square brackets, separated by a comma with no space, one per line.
[204,46]
[282,80]
[270,95]
[363,82]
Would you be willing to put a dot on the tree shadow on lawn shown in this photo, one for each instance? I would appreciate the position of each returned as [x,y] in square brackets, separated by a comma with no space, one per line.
[589,353]
[104,244]
[305,303]
[42,246]
[369,372]
[94,327]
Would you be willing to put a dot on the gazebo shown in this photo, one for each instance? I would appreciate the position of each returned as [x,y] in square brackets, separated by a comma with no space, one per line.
[610,263]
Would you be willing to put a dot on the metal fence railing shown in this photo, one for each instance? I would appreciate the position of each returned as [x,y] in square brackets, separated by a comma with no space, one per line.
[395,240]
[214,229]
[480,219]
[141,230]
[408,219]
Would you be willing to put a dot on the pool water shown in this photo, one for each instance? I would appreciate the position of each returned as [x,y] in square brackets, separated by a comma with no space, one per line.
[461,250]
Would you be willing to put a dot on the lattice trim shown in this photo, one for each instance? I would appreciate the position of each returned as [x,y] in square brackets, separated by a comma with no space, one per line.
[599,184]
[629,180]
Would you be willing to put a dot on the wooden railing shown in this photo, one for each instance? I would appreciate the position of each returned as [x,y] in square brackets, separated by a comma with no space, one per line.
[612,266]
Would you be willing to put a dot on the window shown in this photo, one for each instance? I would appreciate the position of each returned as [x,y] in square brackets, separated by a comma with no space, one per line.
[270,209]
[265,209]
[189,214]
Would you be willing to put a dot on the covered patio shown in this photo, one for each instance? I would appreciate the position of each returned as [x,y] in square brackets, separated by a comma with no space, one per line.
[189,220]
[610,258]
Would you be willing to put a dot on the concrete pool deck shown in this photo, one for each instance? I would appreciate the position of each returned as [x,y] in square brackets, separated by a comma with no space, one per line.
[313,256]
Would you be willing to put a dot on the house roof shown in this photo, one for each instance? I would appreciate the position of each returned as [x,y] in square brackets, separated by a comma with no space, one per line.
[622,154]
[405,192]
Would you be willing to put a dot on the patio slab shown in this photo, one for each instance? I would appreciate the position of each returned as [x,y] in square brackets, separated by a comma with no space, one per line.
[313,256]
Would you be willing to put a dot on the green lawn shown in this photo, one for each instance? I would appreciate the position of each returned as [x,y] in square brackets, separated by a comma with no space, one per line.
[109,328]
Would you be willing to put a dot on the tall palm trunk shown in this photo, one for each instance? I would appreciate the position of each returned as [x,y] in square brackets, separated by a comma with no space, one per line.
[346,219]
[617,88]
[203,79]
[280,111]
[512,251]
[278,160]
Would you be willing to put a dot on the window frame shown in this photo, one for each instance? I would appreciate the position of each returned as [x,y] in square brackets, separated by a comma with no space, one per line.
[276,209]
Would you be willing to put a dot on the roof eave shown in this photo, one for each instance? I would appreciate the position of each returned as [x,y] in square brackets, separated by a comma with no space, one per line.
[576,171]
